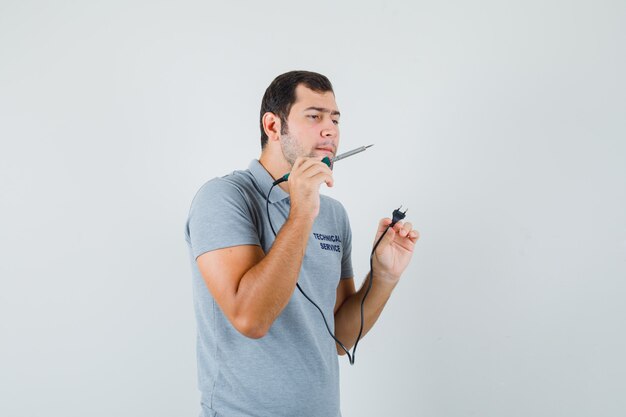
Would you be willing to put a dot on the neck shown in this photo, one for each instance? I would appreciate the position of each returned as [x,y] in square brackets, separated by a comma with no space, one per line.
[276,166]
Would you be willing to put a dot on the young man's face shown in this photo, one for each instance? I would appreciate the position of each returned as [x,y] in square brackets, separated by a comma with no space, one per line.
[312,126]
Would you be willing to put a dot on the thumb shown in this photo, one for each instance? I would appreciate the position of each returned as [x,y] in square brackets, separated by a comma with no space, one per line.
[382,226]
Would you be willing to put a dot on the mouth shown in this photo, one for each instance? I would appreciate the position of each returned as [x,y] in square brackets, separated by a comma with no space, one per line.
[327,151]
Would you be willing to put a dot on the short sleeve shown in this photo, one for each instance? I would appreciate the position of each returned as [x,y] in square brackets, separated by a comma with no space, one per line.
[346,259]
[220,216]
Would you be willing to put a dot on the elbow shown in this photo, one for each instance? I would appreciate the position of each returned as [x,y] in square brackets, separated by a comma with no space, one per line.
[250,327]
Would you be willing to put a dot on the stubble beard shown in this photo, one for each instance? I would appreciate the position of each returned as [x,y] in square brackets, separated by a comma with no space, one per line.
[291,148]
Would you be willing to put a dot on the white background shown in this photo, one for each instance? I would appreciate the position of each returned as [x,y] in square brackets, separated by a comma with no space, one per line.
[500,125]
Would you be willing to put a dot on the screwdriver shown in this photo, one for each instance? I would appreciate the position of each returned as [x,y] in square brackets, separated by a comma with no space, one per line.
[330,162]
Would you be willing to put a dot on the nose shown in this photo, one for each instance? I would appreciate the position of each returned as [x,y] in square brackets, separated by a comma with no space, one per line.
[330,129]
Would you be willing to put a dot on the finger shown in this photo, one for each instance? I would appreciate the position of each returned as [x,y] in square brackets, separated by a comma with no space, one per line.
[313,167]
[387,238]
[321,177]
[306,161]
[406,229]
[383,224]
[414,235]
[309,168]
[315,163]
[321,173]
[302,163]
[298,162]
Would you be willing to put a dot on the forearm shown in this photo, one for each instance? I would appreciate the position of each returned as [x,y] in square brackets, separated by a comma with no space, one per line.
[348,316]
[266,288]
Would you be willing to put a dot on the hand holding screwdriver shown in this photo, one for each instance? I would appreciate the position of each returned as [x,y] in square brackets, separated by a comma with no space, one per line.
[328,161]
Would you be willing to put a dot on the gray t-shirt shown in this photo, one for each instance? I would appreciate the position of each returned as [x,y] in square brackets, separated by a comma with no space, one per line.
[293,370]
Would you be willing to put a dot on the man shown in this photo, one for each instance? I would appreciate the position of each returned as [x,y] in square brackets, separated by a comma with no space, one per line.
[263,348]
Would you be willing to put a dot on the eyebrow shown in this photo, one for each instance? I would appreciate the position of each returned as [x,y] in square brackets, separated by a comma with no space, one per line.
[324,110]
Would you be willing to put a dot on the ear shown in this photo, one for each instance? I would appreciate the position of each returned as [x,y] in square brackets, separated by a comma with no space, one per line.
[271,126]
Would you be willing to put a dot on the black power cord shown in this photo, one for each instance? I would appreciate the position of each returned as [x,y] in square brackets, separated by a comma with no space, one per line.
[397,216]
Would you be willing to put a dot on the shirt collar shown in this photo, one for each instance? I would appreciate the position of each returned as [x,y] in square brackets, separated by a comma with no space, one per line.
[265,181]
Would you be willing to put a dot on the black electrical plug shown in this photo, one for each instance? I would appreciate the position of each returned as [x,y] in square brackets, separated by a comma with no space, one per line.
[397,216]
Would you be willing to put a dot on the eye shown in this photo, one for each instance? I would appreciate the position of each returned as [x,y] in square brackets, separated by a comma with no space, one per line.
[336,122]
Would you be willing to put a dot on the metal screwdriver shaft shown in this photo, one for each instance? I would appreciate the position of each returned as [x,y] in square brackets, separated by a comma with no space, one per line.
[350,153]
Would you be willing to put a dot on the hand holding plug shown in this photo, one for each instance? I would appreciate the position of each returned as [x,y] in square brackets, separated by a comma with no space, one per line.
[394,248]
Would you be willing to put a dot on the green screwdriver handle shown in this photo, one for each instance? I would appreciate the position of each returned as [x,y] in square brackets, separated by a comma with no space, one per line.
[326,160]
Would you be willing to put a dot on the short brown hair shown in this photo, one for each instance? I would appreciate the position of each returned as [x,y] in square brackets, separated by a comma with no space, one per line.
[281,94]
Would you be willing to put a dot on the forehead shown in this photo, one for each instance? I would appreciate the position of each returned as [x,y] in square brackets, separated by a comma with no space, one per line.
[305,97]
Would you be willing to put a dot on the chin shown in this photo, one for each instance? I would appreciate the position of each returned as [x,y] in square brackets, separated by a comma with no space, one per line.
[322,154]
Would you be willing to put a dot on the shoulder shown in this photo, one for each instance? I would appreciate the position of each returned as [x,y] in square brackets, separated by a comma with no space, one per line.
[231,186]
[229,196]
